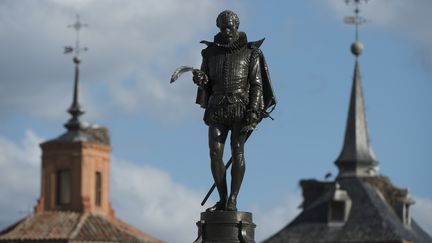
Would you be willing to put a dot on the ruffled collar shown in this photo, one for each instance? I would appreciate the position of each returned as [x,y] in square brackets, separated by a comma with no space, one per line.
[236,45]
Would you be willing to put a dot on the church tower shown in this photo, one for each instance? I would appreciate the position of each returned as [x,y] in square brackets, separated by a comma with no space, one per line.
[75,166]
[359,205]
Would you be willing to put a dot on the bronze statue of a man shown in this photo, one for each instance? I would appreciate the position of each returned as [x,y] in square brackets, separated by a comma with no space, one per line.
[234,88]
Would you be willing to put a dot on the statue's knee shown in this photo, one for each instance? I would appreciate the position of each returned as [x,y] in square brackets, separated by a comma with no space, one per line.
[215,133]
[236,148]
[215,154]
[238,160]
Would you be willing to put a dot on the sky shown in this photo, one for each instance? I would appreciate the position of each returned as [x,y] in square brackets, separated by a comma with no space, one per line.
[160,164]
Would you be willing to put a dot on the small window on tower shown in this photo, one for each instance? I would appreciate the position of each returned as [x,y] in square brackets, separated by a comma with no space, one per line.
[63,187]
[98,191]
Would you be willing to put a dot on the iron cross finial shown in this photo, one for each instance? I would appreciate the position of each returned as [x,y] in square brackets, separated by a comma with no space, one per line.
[355,20]
[77,49]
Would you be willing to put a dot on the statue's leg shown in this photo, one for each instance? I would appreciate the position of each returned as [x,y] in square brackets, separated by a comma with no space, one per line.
[217,137]
[238,138]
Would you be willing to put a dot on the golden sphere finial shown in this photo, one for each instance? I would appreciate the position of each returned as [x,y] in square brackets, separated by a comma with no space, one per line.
[357,48]
[77,60]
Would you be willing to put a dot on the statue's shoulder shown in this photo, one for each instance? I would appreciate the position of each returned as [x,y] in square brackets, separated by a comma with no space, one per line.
[209,45]
[255,44]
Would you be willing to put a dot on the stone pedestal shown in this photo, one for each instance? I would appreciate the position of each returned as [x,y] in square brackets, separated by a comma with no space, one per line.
[226,227]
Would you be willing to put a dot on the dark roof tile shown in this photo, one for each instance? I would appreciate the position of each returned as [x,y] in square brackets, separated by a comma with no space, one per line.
[74,227]
[371,219]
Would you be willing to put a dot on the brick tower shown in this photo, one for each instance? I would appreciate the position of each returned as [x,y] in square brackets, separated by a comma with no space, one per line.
[75,173]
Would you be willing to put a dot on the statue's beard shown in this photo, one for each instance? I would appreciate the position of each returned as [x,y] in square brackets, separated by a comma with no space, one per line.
[229,39]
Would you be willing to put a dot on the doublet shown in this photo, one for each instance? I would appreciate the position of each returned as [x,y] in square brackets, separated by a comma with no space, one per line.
[228,71]
[234,81]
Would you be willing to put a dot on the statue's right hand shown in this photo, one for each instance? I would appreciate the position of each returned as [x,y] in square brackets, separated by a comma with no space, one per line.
[199,77]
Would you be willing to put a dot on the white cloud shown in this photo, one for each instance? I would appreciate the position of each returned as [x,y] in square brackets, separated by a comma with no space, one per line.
[134,46]
[19,177]
[272,218]
[422,213]
[147,198]
[411,19]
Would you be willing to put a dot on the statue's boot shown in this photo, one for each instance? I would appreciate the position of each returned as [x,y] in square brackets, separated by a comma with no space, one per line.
[219,176]
[237,174]
[222,190]
[219,206]
[231,204]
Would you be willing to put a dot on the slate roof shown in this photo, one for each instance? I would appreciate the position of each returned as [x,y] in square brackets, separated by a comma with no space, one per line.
[371,219]
[88,134]
[73,227]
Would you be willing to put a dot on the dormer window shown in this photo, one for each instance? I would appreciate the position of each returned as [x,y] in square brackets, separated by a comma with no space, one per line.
[337,211]
[403,210]
[407,214]
[339,207]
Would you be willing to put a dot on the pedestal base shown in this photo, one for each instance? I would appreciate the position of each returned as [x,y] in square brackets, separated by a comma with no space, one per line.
[226,227]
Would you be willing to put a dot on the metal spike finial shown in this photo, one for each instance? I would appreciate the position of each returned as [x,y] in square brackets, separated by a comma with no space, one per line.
[75,109]
[356,20]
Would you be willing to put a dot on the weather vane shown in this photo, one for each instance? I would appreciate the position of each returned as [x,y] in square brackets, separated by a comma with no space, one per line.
[77,49]
[355,20]
[75,110]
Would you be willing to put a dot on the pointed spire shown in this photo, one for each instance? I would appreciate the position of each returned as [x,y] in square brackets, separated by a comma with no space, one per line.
[75,110]
[356,157]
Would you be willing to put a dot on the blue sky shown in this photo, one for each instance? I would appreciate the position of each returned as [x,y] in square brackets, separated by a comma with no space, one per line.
[157,132]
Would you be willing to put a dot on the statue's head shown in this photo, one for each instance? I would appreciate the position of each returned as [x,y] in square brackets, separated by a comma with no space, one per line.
[228,22]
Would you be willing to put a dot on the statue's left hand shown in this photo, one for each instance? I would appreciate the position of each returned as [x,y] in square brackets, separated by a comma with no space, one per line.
[252,118]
